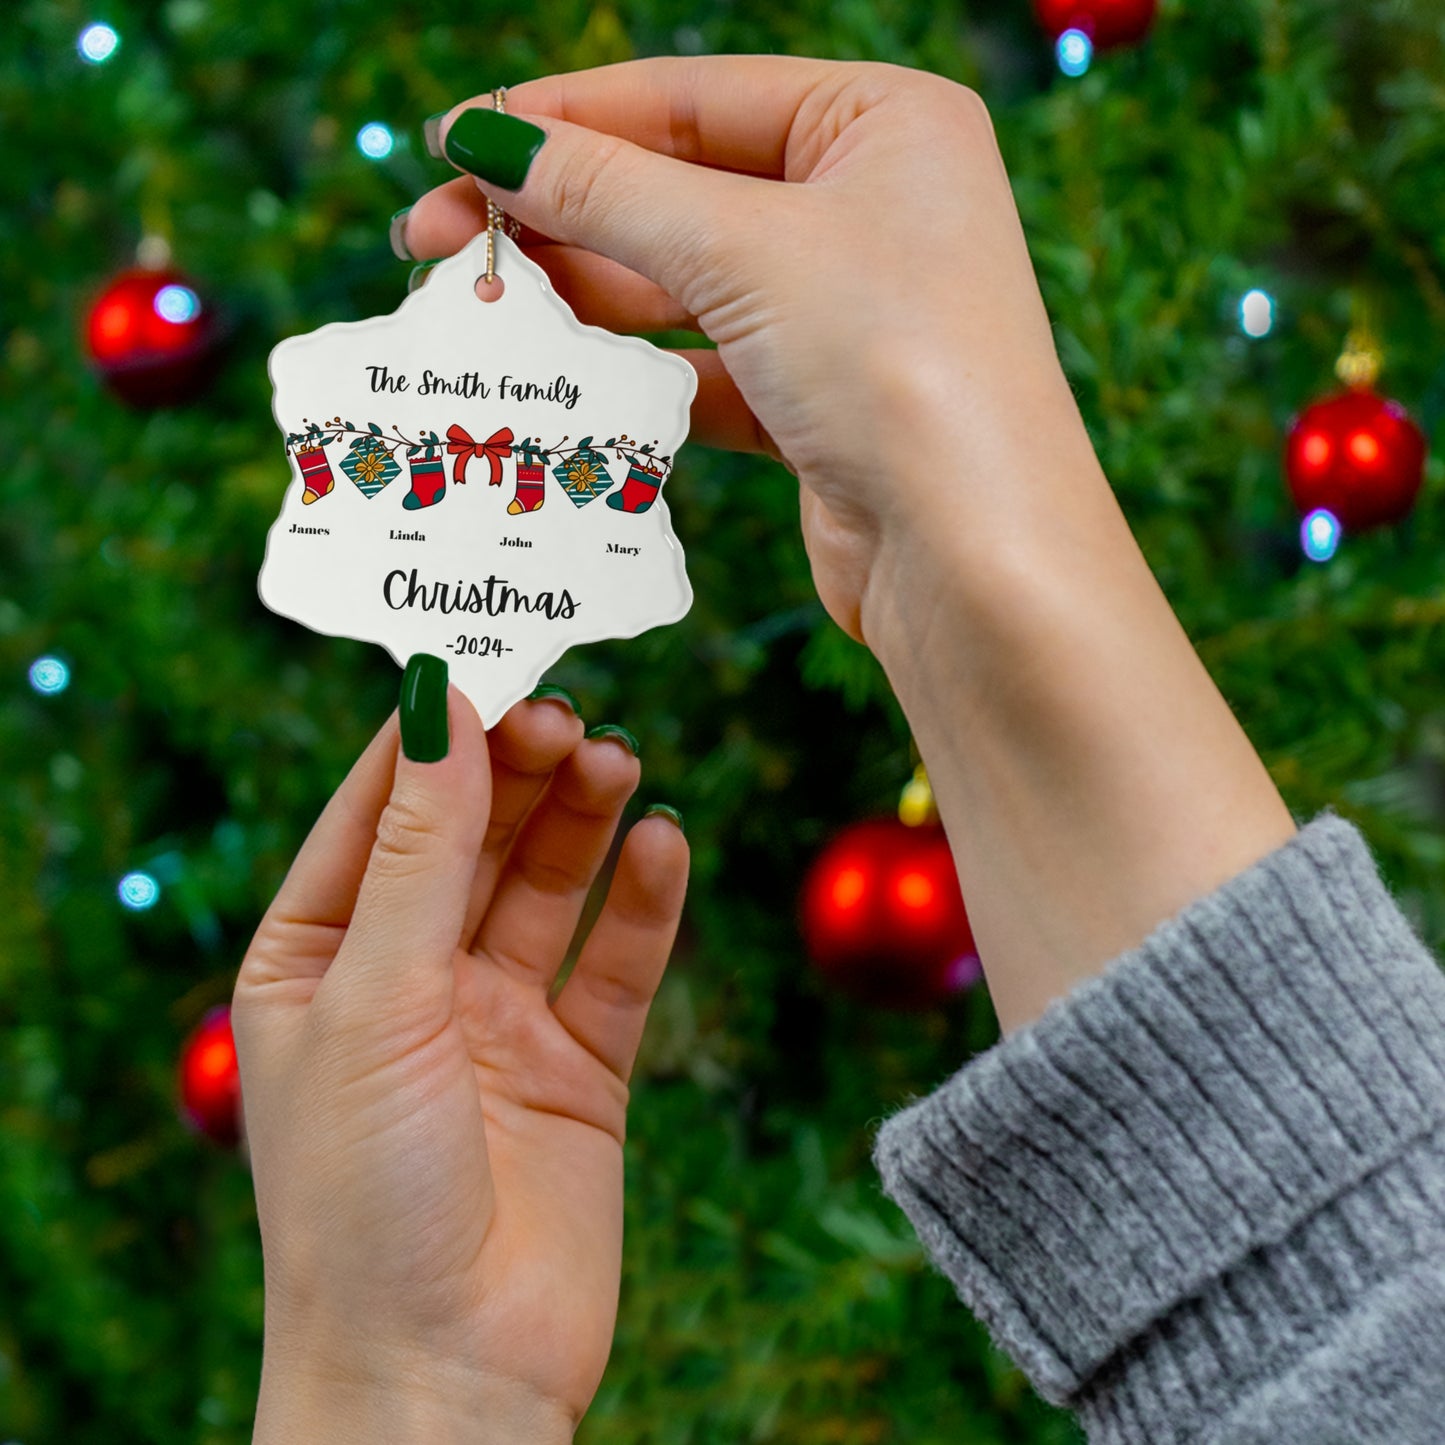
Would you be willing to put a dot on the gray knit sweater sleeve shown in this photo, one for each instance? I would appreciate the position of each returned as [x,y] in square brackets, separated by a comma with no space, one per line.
[1202,1199]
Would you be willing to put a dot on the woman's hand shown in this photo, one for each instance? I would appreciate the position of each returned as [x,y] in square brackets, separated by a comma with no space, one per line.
[437,1150]
[878,324]
[847,235]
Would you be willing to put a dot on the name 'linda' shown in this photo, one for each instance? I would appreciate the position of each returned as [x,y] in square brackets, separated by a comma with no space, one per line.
[494,596]
[469,384]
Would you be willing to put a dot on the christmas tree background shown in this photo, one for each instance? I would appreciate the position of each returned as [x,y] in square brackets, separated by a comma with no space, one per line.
[770,1291]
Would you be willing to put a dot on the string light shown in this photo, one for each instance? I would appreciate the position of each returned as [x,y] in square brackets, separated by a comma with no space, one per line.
[1075,52]
[138,891]
[97,43]
[1320,535]
[49,675]
[375,141]
[1256,313]
[177,304]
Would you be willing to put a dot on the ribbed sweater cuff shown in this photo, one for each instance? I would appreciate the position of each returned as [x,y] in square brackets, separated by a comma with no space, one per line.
[1167,1147]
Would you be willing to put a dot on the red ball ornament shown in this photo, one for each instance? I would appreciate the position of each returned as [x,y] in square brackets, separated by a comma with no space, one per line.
[1359,456]
[210,1081]
[1107,23]
[152,337]
[883,917]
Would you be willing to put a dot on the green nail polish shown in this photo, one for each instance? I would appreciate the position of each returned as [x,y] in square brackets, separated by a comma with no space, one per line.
[550,689]
[418,276]
[612,730]
[431,133]
[666,811]
[396,233]
[424,735]
[498,148]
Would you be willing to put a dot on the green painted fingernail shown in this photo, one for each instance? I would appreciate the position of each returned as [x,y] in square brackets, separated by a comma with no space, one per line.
[418,276]
[612,730]
[550,689]
[498,148]
[666,811]
[424,736]
[431,133]
[397,235]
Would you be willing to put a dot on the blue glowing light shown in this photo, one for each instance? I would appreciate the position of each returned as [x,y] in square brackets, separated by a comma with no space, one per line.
[49,675]
[1075,52]
[1256,313]
[375,141]
[177,304]
[97,44]
[138,891]
[1320,535]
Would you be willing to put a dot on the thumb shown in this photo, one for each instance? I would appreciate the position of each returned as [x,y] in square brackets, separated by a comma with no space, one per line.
[664,218]
[412,902]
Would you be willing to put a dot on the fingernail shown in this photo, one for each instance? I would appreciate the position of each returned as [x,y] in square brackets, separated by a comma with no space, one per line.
[665,811]
[424,737]
[612,730]
[418,276]
[549,689]
[431,133]
[498,148]
[397,235]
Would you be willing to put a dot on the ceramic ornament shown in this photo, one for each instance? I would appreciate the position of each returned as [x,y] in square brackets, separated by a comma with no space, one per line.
[481,480]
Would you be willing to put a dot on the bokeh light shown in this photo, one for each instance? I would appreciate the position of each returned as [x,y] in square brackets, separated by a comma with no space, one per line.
[49,675]
[375,141]
[1320,535]
[1075,52]
[138,891]
[1256,313]
[177,304]
[97,43]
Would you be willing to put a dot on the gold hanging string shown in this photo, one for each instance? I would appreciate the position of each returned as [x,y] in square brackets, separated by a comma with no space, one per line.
[1360,362]
[497,218]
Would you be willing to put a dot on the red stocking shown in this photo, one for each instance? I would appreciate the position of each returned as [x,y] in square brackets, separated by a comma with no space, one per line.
[316,473]
[428,483]
[639,490]
[530,495]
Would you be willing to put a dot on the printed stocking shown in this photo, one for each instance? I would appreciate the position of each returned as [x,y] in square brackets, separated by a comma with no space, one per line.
[530,494]
[428,483]
[316,473]
[639,490]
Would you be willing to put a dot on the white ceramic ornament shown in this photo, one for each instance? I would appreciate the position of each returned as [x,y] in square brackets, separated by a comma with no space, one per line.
[478,479]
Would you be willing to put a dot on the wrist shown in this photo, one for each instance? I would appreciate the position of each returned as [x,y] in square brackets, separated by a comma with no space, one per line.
[321,1402]
[1092,779]
[990,476]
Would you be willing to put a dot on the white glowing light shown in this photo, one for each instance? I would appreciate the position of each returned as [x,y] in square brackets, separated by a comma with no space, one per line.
[177,304]
[1256,313]
[1320,535]
[138,891]
[97,43]
[375,140]
[49,675]
[1075,52]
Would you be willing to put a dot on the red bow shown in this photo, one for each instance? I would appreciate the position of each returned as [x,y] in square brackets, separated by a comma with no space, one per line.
[495,448]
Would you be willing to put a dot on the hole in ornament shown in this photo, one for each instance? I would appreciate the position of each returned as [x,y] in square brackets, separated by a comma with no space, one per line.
[489,290]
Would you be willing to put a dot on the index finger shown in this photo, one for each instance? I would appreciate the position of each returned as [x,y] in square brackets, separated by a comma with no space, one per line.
[734,112]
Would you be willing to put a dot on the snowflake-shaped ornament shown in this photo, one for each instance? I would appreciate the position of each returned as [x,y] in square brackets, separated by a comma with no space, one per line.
[486,576]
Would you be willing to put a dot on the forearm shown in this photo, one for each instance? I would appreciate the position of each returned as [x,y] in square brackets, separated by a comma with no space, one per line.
[302,1401]
[1092,779]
